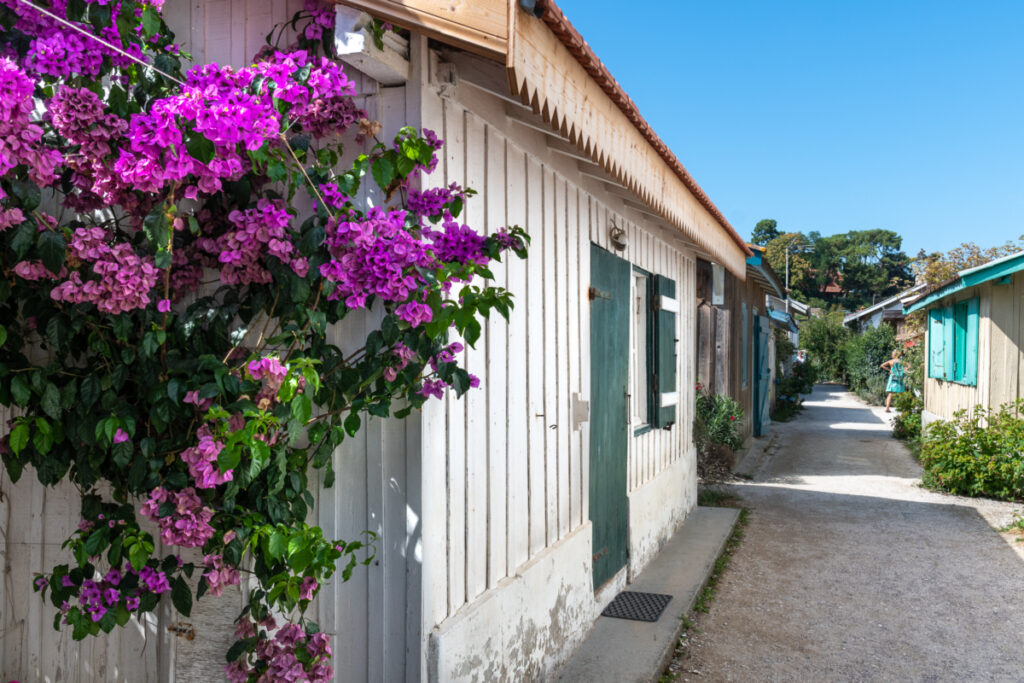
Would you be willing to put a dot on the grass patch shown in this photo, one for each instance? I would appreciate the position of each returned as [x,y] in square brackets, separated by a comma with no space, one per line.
[1016,527]
[707,594]
[715,498]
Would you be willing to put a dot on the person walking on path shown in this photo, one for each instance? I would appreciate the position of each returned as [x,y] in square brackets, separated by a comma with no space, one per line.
[895,384]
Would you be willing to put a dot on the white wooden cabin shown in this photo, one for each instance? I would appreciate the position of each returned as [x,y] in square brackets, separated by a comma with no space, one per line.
[485,506]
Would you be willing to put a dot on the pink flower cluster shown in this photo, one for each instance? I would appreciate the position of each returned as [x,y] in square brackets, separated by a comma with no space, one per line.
[79,116]
[97,597]
[459,243]
[218,574]
[323,20]
[255,234]
[124,279]
[202,460]
[279,656]
[19,137]
[219,104]
[374,257]
[188,524]
[35,270]
[431,202]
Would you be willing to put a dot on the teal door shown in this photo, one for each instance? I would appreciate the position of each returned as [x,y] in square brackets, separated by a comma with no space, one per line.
[609,378]
[762,374]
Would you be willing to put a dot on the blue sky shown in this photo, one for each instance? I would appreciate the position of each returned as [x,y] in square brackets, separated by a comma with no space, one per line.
[833,116]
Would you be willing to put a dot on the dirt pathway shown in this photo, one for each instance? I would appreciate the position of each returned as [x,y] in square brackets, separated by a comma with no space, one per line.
[851,572]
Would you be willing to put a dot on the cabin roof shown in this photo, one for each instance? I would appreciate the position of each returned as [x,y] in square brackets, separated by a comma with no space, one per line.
[969,277]
[870,310]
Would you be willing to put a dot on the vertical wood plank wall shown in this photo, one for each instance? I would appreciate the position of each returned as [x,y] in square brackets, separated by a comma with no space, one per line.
[518,486]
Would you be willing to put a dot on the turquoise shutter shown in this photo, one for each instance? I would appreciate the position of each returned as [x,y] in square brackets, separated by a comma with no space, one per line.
[666,390]
[936,349]
[960,341]
[971,343]
[948,343]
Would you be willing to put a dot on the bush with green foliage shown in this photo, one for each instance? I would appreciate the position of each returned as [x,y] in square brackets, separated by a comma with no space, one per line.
[716,421]
[980,453]
[864,354]
[823,338]
[906,423]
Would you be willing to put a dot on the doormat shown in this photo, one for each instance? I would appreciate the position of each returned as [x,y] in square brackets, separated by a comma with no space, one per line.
[637,606]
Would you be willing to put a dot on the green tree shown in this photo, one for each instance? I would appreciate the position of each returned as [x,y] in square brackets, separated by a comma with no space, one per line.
[863,265]
[801,278]
[765,231]
[937,267]
[823,339]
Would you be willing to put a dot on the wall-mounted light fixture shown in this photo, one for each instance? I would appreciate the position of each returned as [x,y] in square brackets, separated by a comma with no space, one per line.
[617,236]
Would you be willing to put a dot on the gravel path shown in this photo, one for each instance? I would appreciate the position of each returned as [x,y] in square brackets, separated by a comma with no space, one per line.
[849,571]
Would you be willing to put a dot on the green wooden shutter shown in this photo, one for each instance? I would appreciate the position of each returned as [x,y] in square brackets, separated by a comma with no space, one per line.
[667,391]
[936,347]
[959,341]
[971,343]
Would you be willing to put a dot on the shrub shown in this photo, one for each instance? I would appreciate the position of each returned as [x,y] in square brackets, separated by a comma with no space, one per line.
[863,355]
[977,454]
[823,337]
[906,423]
[716,426]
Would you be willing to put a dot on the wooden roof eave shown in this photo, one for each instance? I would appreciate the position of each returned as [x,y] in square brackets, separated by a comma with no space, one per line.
[552,70]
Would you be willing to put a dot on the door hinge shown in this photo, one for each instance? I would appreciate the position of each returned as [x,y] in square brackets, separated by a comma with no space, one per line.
[594,293]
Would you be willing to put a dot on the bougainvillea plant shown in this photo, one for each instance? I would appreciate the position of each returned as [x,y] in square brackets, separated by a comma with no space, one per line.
[175,247]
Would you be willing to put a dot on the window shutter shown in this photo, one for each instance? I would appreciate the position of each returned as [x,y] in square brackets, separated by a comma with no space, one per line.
[971,346]
[948,343]
[665,351]
[936,350]
[960,341]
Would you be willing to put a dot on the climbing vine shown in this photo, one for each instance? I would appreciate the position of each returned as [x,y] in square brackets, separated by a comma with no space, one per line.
[175,247]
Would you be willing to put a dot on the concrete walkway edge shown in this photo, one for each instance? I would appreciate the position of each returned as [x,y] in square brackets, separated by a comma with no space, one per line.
[620,650]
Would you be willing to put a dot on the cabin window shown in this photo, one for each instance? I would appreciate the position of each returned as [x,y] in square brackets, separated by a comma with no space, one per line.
[640,350]
[653,359]
[953,342]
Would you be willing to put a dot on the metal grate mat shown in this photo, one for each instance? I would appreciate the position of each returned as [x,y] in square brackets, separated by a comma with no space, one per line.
[637,606]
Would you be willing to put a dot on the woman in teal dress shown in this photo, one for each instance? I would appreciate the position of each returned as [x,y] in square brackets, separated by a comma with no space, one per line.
[895,385]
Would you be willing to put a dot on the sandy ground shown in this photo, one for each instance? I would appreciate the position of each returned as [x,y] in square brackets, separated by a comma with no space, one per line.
[849,571]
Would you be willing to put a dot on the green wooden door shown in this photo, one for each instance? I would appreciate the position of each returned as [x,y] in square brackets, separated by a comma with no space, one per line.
[762,374]
[609,378]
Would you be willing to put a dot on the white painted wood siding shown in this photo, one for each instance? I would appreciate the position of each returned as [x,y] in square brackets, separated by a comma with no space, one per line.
[504,466]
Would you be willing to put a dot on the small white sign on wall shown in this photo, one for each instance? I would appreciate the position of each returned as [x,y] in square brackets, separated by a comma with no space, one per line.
[717,284]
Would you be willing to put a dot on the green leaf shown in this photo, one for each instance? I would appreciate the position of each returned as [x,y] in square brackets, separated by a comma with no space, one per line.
[260,457]
[162,259]
[277,545]
[96,542]
[28,194]
[229,459]
[90,391]
[51,250]
[200,147]
[300,560]
[3,335]
[150,21]
[20,391]
[236,650]
[181,596]
[19,438]
[137,556]
[352,423]
[383,172]
[302,408]
[24,237]
[156,228]
[51,401]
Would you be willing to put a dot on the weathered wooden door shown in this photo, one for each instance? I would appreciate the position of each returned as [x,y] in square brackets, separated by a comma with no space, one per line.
[609,405]
[762,374]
